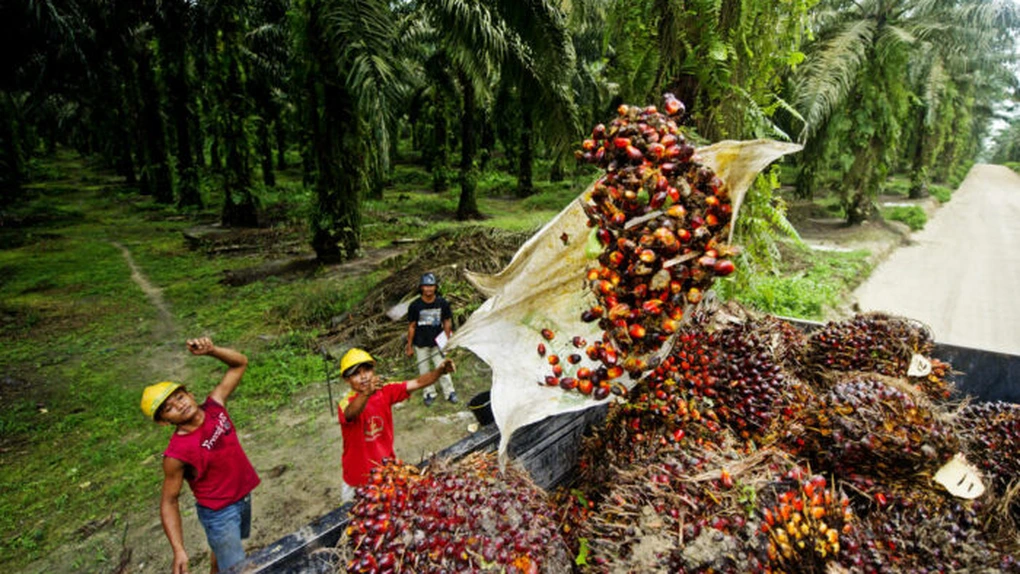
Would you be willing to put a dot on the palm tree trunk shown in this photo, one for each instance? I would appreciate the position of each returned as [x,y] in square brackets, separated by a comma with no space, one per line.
[467,206]
[919,177]
[525,167]
[10,151]
[265,149]
[156,166]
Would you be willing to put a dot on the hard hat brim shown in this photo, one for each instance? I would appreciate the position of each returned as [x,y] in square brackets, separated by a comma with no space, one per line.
[354,368]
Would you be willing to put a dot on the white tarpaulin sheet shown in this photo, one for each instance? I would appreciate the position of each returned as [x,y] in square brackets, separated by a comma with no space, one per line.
[544,287]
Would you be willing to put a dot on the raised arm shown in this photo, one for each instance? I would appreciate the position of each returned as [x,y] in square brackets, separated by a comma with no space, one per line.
[235,361]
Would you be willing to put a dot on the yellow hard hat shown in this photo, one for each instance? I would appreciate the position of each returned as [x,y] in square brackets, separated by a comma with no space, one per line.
[352,359]
[154,396]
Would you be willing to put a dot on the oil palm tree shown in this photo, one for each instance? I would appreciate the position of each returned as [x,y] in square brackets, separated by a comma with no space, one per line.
[856,75]
[350,80]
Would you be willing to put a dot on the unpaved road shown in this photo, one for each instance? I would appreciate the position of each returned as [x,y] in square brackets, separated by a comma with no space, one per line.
[961,274]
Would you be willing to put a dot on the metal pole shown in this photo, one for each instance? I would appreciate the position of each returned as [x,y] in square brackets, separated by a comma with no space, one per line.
[326,362]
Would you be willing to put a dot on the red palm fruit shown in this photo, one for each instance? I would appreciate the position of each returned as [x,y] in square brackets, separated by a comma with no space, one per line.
[625,245]
[578,341]
[652,307]
[711,220]
[600,154]
[548,334]
[711,201]
[683,235]
[669,326]
[724,267]
[574,359]
[674,106]
[609,357]
[553,359]
[604,236]
[623,109]
[585,386]
[614,372]
[619,311]
[647,255]
[651,110]
[589,315]
[618,219]
[706,261]
[725,479]
[616,258]
[676,211]
[599,131]
[658,199]
[541,349]
[593,274]
[593,352]
[621,143]
[605,287]
[668,167]
[673,194]
[668,140]
[637,331]
[693,295]
[629,194]
[664,236]
[568,383]
[558,370]
[601,391]
[584,372]
[656,150]
[588,145]
[551,380]
[675,286]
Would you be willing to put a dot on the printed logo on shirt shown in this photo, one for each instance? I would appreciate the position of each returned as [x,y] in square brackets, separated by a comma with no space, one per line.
[430,317]
[222,428]
[373,428]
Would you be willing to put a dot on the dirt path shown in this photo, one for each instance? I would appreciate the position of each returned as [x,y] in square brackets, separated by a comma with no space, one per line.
[961,272]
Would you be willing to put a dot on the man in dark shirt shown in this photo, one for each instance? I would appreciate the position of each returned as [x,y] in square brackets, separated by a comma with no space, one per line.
[428,316]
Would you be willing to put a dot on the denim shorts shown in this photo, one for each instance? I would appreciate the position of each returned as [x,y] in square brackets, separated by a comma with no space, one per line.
[225,528]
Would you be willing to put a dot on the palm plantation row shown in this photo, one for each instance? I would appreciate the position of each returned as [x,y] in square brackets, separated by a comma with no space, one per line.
[177,93]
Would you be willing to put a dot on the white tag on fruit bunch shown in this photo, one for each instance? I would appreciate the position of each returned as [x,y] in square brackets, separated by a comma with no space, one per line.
[960,478]
[920,366]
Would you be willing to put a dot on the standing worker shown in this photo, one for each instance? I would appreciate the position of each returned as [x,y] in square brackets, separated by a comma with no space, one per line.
[428,316]
[366,414]
[204,450]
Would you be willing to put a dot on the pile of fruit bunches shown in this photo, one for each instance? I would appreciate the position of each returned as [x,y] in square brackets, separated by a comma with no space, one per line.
[466,516]
[747,450]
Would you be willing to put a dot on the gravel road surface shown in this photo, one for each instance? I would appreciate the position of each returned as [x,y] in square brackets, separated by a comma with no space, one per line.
[961,274]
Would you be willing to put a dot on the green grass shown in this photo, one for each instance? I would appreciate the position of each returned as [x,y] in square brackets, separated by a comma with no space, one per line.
[810,283]
[913,215]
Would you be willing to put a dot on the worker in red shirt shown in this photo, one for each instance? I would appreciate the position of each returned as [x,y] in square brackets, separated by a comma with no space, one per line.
[366,414]
[204,450]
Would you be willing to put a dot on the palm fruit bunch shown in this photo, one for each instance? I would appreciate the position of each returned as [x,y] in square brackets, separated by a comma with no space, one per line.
[991,432]
[807,526]
[879,429]
[927,532]
[872,342]
[452,517]
[936,385]
[660,219]
[680,511]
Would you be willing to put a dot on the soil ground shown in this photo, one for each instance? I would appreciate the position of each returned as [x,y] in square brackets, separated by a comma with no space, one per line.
[959,274]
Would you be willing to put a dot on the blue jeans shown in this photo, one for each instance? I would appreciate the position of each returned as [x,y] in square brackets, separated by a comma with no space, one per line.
[225,528]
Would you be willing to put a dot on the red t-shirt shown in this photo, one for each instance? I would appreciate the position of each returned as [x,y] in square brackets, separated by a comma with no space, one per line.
[369,437]
[220,473]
